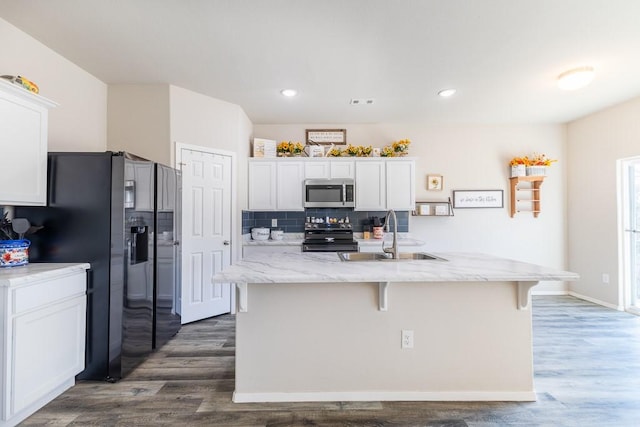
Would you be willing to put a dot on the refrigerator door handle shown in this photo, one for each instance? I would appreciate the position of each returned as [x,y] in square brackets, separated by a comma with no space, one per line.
[51,172]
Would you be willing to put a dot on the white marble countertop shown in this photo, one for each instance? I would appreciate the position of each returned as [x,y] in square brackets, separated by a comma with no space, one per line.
[311,267]
[12,276]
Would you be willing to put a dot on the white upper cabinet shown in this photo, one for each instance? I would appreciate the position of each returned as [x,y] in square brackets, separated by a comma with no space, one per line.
[317,170]
[23,134]
[326,169]
[370,183]
[380,184]
[342,169]
[262,185]
[275,185]
[385,184]
[400,183]
[290,179]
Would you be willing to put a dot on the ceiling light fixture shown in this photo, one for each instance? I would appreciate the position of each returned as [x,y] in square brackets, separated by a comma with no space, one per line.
[289,92]
[576,78]
[445,93]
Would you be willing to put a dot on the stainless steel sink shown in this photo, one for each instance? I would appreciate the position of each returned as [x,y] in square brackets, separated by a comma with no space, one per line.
[418,255]
[378,256]
[363,256]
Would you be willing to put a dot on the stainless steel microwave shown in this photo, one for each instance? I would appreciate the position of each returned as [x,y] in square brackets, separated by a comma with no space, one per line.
[329,193]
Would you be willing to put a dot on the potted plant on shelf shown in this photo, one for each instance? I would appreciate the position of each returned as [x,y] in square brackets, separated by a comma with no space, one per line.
[518,166]
[538,164]
[535,165]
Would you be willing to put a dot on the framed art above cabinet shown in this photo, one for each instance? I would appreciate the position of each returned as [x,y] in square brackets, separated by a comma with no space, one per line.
[326,136]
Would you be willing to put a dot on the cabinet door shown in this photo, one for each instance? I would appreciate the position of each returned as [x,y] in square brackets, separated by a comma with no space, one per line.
[400,184]
[342,169]
[370,185]
[316,169]
[23,133]
[262,186]
[48,350]
[289,189]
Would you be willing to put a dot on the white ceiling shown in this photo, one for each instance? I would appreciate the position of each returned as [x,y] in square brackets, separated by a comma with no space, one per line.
[502,56]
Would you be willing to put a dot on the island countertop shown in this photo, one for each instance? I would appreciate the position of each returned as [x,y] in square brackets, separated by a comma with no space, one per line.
[313,267]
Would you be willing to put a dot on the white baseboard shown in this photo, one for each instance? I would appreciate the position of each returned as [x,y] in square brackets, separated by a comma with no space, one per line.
[596,301]
[533,292]
[377,396]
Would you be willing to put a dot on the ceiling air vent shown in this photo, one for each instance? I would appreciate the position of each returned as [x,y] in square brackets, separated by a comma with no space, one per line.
[361,101]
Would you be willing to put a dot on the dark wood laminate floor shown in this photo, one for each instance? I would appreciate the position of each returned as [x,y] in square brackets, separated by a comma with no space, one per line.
[587,373]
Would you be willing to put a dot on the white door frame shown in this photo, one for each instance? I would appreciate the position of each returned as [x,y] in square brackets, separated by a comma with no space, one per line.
[236,238]
[624,237]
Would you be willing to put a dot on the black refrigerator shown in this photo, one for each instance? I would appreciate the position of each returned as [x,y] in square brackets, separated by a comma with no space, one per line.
[102,208]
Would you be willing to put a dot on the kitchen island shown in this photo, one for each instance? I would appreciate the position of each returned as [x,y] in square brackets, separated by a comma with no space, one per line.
[311,327]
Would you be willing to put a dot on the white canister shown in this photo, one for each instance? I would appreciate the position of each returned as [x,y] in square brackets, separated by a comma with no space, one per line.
[260,233]
[277,234]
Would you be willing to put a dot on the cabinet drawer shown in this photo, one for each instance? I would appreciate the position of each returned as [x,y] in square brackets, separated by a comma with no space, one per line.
[40,293]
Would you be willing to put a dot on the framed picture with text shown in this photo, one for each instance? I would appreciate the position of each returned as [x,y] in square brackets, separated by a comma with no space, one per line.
[478,199]
[326,136]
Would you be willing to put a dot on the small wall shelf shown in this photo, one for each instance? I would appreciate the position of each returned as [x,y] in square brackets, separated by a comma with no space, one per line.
[429,208]
[526,204]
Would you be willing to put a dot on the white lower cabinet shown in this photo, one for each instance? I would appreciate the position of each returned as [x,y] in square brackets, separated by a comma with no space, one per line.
[43,339]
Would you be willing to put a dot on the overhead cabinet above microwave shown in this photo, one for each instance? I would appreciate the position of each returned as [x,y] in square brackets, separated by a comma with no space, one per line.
[379,184]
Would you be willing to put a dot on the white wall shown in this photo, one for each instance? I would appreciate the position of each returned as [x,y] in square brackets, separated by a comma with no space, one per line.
[474,158]
[79,123]
[138,121]
[595,143]
[201,120]
[197,119]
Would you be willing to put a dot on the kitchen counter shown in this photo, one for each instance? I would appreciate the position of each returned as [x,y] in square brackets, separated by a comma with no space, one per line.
[310,327]
[308,267]
[11,276]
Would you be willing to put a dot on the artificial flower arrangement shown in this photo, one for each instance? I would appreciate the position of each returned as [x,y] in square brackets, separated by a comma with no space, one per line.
[287,147]
[397,148]
[531,166]
[387,152]
[535,160]
[401,146]
[335,152]
[352,150]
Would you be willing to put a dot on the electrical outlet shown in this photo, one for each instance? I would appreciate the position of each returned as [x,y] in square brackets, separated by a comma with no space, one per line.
[605,278]
[407,339]
[274,222]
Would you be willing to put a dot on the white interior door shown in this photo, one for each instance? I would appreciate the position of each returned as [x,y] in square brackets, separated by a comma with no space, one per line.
[206,232]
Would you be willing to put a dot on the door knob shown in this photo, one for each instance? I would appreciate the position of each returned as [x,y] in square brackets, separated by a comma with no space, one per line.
[226,243]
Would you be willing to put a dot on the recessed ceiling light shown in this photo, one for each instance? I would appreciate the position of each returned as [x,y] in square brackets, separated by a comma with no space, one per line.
[576,78]
[289,92]
[445,93]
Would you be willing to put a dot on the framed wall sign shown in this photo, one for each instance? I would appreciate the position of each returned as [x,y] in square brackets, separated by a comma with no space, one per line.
[478,199]
[326,136]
